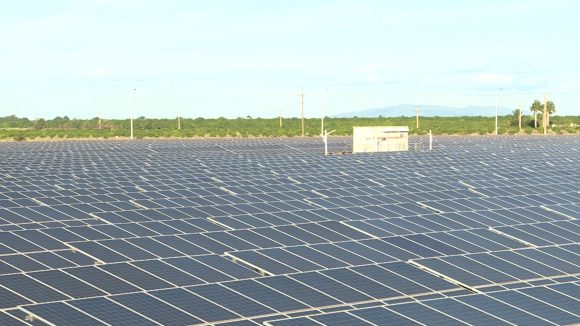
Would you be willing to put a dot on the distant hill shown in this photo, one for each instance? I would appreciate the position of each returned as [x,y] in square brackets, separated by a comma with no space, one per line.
[426,111]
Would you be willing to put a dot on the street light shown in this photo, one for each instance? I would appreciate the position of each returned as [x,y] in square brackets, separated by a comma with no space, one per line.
[496,104]
[132,100]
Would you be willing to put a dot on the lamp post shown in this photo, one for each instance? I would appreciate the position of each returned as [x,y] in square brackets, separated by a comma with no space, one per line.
[132,100]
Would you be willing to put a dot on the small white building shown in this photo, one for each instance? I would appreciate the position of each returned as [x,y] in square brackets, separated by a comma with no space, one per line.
[380,139]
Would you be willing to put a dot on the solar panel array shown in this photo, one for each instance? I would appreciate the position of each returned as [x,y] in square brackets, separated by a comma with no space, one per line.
[268,231]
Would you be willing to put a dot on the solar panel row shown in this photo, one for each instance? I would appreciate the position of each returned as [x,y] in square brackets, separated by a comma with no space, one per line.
[550,305]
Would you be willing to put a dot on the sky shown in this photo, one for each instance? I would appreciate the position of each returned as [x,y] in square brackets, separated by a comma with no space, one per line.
[238,58]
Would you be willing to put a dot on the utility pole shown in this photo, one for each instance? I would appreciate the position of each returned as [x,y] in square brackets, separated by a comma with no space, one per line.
[417,117]
[496,104]
[544,118]
[132,100]
[520,115]
[323,112]
[547,114]
[302,105]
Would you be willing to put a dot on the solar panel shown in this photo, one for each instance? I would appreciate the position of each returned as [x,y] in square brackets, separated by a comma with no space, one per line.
[268,231]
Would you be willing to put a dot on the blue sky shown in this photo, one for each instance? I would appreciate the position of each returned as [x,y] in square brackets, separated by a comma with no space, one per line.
[251,57]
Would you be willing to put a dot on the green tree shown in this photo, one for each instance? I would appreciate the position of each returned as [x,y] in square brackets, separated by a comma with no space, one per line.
[550,108]
[39,124]
[536,108]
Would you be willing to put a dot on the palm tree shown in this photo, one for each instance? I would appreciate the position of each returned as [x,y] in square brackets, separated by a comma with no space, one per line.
[536,108]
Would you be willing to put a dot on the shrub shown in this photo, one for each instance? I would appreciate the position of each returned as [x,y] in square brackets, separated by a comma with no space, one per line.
[19,137]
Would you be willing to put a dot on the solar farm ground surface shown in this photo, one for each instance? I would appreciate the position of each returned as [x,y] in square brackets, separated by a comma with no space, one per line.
[481,230]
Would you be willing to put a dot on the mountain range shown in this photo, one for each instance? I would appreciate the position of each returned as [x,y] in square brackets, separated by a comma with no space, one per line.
[426,111]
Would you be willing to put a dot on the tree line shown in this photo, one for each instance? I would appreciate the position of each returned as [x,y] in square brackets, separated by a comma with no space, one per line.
[12,127]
